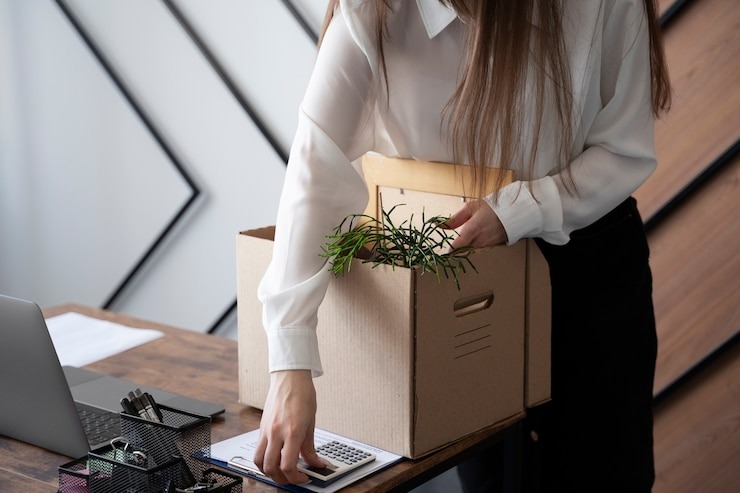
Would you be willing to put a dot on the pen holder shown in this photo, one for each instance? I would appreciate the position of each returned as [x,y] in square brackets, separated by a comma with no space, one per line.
[180,434]
[116,470]
[113,470]
[74,476]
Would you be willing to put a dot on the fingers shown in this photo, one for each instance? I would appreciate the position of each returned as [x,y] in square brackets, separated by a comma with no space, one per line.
[287,427]
[259,452]
[459,218]
[479,226]
[308,451]
[463,240]
[289,461]
[278,458]
[267,457]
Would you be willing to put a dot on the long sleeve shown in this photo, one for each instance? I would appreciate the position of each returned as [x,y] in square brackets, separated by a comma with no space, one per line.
[346,113]
[616,154]
[321,187]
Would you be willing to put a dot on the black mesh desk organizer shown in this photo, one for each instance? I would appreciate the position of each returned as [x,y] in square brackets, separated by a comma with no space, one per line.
[151,457]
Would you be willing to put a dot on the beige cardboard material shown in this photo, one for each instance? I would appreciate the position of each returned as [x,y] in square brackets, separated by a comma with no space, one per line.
[442,179]
[402,371]
[440,189]
[405,370]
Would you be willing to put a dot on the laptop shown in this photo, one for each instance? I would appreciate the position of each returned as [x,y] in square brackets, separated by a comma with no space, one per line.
[45,404]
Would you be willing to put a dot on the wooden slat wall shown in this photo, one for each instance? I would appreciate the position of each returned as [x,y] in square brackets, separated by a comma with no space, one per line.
[702,44]
[697,432]
[702,47]
[696,270]
[696,254]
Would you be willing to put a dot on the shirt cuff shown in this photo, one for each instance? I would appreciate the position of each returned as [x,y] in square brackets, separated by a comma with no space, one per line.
[530,209]
[294,348]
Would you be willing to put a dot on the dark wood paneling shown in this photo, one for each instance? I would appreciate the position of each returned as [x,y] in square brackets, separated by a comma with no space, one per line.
[697,432]
[702,46]
[695,256]
[664,5]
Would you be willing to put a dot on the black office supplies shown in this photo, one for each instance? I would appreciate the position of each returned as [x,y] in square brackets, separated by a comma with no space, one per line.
[154,456]
[147,405]
[154,405]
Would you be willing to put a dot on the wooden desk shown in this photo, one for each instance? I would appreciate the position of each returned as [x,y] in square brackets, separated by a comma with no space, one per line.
[205,367]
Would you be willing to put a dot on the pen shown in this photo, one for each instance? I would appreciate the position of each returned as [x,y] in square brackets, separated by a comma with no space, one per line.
[137,404]
[155,406]
[146,405]
[128,408]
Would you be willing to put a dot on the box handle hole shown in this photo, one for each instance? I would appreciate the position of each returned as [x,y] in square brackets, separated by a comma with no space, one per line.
[473,304]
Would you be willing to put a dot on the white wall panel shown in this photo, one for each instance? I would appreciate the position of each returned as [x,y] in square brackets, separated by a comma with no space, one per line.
[192,281]
[13,177]
[85,189]
[265,51]
[313,11]
[79,168]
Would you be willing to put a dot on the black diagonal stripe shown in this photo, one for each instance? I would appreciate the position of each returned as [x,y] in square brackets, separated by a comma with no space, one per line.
[302,21]
[132,101]
[230,309]
[228,81]
[225,77]
[697,369]
[675,202]
[672,12]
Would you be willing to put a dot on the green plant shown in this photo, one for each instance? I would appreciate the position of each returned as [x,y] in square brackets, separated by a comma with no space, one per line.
[428,248]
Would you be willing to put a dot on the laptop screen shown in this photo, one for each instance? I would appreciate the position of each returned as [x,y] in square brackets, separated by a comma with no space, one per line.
[36,405]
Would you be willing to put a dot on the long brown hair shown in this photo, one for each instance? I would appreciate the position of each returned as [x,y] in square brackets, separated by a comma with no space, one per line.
[505,48]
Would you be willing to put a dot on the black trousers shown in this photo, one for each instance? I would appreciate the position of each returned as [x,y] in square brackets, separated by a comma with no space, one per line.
[596,433]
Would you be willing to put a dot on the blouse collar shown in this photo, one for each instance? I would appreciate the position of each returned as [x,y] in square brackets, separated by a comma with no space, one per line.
[436,16]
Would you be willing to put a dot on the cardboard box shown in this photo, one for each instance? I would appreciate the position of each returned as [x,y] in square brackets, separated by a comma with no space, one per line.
[439,189]
[412,364]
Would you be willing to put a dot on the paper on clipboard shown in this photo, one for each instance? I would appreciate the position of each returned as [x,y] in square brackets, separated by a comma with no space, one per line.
[237,453]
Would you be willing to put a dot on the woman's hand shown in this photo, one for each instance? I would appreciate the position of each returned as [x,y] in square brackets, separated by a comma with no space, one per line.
[480,226]
[287,427]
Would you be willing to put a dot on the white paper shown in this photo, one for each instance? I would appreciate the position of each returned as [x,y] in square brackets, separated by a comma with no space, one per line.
[240,449]
[80,340]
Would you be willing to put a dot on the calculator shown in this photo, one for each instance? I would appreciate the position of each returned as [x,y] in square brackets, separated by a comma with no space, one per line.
[340,459]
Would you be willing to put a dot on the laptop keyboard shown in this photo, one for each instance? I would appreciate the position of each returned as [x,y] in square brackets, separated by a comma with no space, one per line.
[100,426]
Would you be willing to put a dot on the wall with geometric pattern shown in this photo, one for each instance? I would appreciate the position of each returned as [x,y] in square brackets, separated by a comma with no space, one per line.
[137,138]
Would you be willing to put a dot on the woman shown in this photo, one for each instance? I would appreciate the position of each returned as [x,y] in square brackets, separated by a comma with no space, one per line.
[562,92]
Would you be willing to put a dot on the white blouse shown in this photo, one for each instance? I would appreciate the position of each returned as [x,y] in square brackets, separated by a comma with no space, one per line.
[341,119]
